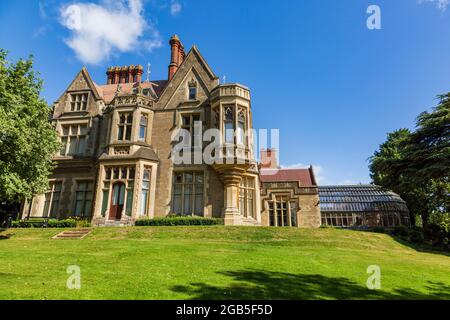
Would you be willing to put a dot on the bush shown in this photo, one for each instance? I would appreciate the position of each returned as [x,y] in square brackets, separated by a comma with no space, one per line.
[401,231]
[416,236]
[437,229]
[179,221]
[377,229]
[41,223]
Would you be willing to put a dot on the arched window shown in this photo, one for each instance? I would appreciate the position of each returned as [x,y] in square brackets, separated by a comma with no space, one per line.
[228,124]
[192,90]
[240,131]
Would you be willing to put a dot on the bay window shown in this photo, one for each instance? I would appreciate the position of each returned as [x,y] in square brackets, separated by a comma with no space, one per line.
[247,197]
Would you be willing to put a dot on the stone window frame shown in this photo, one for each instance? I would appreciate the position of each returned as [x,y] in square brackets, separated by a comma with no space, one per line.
[70,136]
[194,116]
[232,115]
[125,128]
[273,210]
[85,192]
[146,179]
[143,125]
[193,195]
[51,206]
[247,187]
[78,101]
[192,93]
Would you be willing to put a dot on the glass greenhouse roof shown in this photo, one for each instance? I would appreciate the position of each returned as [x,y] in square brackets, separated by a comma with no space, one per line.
[359,198]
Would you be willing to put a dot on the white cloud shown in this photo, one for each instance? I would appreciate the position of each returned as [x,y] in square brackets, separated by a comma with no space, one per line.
[99,30]
[440,4]
[175,8]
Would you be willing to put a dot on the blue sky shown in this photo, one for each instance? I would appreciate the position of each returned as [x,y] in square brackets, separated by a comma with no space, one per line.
[333,87]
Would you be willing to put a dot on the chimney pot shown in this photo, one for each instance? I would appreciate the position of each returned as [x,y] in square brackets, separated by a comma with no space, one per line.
[269,159]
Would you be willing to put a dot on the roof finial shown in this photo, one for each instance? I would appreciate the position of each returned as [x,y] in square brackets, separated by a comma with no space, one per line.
[224,79]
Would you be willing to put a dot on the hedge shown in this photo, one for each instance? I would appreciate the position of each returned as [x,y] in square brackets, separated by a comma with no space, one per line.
[179,221]
[40,223]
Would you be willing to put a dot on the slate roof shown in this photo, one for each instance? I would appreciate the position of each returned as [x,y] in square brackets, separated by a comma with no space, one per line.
[108,91]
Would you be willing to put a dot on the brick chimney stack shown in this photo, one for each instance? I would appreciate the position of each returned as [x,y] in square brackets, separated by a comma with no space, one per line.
[177,55]
[269,159]
[127,74]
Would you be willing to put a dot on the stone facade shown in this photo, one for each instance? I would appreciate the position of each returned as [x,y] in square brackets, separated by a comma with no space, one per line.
[116,161]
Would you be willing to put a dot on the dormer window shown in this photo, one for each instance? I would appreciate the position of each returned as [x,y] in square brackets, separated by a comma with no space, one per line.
[192,90]
[78,101]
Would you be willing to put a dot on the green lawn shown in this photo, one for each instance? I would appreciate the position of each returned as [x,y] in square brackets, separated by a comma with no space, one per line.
[218,263]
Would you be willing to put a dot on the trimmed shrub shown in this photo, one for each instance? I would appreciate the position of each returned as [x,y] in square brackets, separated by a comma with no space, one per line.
[41,223]
[179,221]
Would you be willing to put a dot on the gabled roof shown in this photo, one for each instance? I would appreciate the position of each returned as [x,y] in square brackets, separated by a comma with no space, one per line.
[84,72]
[195,54]
[304,176]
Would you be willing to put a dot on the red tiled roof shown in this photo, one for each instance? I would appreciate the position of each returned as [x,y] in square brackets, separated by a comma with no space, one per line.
[304,176]
[108,91]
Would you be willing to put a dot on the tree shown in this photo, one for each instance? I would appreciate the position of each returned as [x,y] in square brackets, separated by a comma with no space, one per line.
[416,165]
[27,138]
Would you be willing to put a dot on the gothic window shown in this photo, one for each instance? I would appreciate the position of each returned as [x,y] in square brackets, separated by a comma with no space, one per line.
[83,199]
[78,101]
[188,193]
[247,197]
[52,196]
[73,139]
[240,132]
[143,127]
[229,124]
[192,90]
[125,125]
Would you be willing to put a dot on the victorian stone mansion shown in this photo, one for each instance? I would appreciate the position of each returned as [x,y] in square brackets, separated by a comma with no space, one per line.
[115,162]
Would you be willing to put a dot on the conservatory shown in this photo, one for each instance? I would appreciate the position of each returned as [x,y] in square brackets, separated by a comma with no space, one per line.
[362,206]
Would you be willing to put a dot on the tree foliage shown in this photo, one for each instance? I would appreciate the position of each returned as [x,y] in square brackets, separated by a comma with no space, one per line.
[27,138]
[416,164]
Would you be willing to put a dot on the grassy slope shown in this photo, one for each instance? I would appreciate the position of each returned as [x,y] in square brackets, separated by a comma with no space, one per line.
[218,263]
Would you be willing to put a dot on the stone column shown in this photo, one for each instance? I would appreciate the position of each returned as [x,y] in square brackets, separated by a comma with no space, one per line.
[231,212]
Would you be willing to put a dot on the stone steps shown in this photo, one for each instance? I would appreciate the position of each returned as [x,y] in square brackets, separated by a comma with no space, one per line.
[248,221]
[73,234]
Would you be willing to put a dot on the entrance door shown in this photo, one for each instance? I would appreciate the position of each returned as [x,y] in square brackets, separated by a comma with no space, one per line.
[118,197]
